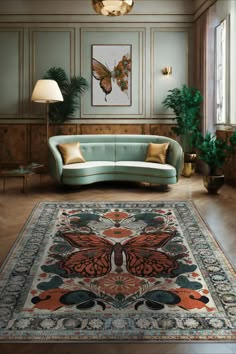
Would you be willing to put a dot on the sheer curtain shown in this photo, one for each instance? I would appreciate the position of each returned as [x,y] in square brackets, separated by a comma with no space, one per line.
[204,65]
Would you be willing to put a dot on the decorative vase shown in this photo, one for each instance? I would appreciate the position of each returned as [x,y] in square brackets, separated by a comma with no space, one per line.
[213,183]
[189,164]
[189,169]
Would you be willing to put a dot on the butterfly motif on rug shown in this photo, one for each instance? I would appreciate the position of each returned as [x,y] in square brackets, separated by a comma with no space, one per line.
[105,76]
[94,259]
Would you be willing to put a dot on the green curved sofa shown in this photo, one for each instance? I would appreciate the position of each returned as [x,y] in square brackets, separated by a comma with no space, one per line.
[115,158]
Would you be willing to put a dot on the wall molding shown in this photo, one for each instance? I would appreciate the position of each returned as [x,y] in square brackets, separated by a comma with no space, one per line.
[20,49]
[104,113]
[202,8]
[161,116]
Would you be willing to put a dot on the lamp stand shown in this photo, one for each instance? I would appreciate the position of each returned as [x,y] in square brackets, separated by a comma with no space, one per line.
[47,121]
[47,91]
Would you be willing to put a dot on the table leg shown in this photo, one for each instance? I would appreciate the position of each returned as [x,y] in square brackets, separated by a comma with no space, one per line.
[4,184]
[24,183]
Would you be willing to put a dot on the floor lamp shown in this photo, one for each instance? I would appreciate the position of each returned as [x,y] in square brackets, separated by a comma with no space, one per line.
[46,91]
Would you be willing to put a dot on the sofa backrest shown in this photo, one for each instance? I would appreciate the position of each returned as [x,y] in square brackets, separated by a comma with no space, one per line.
[126,151]
[95,151]
[113,148]
[135,146]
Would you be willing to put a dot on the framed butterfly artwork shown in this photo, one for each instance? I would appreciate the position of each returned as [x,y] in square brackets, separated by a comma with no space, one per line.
[111,75]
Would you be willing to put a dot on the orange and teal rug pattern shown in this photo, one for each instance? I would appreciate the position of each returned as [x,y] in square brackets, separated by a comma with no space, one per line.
[131,271]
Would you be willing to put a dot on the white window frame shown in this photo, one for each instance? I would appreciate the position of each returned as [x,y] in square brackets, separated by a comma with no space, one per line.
[222,92]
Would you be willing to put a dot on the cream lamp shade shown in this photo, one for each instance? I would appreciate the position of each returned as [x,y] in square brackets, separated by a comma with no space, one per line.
[46,91]
[112,7]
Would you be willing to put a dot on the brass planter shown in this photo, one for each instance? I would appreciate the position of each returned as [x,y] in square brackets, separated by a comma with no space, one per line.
[189,164]
[213,183]
[189,169]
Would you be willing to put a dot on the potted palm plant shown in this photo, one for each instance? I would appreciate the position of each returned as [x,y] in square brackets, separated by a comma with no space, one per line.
[186,103]
[71,89]
[215,152]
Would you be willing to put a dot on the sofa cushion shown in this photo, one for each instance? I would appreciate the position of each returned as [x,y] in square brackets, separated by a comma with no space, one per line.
[71,153]
[157,152]
[88,168]
[145,168]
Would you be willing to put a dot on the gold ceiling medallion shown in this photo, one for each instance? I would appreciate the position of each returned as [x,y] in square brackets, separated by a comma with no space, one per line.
[112,7]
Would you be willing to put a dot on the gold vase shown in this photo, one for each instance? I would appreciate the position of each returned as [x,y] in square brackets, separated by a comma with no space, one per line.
[189,164]
[189,169]
[213,183]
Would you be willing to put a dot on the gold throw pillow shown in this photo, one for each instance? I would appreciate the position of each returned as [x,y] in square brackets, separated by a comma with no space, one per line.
[71,153]
[157,152]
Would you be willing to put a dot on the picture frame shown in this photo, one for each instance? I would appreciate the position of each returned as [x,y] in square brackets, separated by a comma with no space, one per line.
[111,75]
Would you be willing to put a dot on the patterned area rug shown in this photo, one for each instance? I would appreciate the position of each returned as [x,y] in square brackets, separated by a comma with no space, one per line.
[84,272]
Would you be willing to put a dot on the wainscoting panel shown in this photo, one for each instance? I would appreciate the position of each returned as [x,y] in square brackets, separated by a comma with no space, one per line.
[38,149]
[11,59]
[24,143]
[169,47]
[50,47]
[230,166]
[14,142]
[112,129]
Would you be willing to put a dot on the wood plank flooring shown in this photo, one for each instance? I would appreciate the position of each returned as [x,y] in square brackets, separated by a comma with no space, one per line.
[218,211]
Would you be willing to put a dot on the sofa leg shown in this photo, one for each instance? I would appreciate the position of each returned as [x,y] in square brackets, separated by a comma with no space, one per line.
[164,187]
[66,188]
[160,187]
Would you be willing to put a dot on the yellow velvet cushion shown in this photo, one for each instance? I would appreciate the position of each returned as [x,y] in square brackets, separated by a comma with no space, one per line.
[157,152]
[71,153]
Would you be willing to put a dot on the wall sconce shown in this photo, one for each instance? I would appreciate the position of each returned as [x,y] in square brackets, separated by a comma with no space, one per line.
[167,70]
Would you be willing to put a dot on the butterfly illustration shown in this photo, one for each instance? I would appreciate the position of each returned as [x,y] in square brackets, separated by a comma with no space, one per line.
[119,74]
[94,259]
[102,74]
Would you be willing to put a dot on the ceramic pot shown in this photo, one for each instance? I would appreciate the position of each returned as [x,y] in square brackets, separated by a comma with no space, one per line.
[213,183]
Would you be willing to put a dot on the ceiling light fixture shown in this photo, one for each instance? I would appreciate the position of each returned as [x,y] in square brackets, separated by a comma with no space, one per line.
[112,7]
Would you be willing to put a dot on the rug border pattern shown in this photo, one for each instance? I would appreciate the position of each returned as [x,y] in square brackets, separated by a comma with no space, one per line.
[159,336]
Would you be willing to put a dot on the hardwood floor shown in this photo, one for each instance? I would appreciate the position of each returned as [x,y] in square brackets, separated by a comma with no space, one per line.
[218,211]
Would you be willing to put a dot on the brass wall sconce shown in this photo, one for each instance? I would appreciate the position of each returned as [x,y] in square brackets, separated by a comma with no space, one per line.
[112,7]
[167,70]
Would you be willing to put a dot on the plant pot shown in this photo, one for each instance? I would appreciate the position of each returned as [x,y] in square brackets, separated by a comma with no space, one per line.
[189,164]
[213,183]
[189,169]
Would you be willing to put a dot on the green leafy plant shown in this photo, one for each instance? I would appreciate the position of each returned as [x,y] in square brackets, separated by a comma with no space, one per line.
[186,103]
[71,89]
[215,151]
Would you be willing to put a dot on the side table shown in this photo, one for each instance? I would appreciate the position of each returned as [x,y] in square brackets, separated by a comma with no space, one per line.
[32,166]
[25,172]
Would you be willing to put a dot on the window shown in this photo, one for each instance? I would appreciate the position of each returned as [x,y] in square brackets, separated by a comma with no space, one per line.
[221,73]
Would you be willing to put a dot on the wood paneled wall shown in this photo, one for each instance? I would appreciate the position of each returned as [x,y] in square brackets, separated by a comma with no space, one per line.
[24,143]
[230,166]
